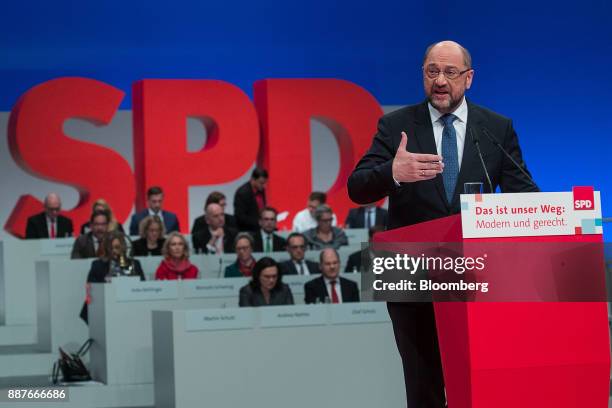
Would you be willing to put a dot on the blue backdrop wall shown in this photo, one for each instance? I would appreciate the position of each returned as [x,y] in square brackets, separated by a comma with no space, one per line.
[545,64]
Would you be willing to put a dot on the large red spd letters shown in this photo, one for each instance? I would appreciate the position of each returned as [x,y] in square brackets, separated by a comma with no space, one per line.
[274,132]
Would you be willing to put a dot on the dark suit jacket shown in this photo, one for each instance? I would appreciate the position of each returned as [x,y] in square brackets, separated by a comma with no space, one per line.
[288,267]
[170,221]
[354,261]
[97,274]
[200,240]
[139,247]
[37,227]
[356,217]
[84,247]
[254,297]
[278,243]
[246,209]
[316,289]
[411,203]
[200,223]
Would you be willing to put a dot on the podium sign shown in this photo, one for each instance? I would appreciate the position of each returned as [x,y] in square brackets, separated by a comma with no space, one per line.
[531,214]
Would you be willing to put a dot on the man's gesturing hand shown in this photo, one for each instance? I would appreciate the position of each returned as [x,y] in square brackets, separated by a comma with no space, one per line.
[410,167]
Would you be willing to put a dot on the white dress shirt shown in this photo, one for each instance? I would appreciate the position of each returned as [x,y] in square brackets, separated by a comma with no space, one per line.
[329,289]
[304,265]
[460,127]
[303,221]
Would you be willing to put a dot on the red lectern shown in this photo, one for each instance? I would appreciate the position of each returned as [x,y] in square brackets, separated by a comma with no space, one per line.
[518,354]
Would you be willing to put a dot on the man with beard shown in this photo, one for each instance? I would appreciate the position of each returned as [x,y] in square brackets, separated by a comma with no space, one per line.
[420,158]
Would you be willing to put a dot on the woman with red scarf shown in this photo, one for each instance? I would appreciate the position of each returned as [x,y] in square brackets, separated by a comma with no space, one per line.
[175,264]
[243,245]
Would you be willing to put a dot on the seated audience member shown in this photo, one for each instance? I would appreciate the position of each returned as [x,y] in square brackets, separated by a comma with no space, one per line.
[245,262]
[366,216]
[266,288]
[330,287]
[265,240]
[250,199]
[217,198]
[113,261]
[90,245]
[305,219]
[49,223]
[324,235]
[216,238]
[151,239]
[175,264]
[354,260]
[155,200]
[101,205]
[297,265]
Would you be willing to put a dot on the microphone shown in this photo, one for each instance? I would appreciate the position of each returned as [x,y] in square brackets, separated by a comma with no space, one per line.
[516,164]
[476,140]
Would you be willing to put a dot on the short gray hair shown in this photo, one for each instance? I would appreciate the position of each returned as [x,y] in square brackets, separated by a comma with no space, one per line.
[322,209]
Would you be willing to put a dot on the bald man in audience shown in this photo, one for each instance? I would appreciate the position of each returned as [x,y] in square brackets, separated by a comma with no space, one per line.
[216,238]
[49,223]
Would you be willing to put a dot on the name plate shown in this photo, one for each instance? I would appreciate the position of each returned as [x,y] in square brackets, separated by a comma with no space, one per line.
[219,319]
[213,288]
[293,316]
[57,246]
[356,313]
[531,214]
[135,290]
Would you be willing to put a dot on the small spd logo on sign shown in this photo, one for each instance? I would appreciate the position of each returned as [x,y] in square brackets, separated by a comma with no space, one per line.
[584,198]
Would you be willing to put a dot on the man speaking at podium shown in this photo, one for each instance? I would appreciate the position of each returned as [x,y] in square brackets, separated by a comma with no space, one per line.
[420,158]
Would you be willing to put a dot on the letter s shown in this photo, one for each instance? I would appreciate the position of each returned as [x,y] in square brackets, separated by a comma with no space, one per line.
[40,147]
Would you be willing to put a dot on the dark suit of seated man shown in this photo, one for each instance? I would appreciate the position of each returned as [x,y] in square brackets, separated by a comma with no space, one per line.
[265,240]
[216,197]
[366,217]
[330,286]
[155,199]
[49,223]
[216,238]
[90,245]
[297,265]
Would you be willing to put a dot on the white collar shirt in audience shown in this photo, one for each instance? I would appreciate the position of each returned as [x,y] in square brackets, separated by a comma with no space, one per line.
[159,214]
[50,223]
[217,248]
[329,289]
[303,221]
[304,265]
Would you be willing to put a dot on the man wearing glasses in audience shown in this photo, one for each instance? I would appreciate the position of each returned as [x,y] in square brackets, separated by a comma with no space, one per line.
[297,265]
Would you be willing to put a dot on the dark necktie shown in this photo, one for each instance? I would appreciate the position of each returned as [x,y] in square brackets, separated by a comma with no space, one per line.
[334,294]
[368,219]
[450,155]
[301,263]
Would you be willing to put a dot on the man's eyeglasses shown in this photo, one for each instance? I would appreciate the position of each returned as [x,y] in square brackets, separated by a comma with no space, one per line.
[297,246]
[326,219]
[450,73]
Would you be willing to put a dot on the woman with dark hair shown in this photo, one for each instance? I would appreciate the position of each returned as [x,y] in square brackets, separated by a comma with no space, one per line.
[114,261]
[151,239]
[175,264]
[266,287]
